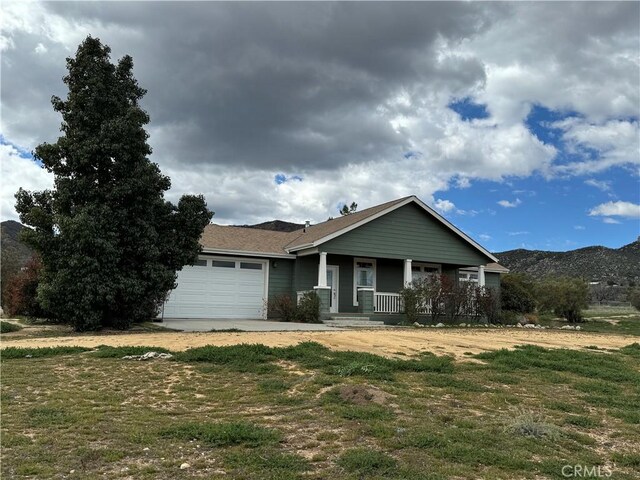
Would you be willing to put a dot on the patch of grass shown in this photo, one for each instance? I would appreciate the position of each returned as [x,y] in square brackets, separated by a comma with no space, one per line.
[581,421]
[46,416]
[105,351]
[266,463]
[627,459]
[242,358]
[594,365]
[271,385]
[449,381]
[530,424]
[8,327]
[223,434]
[422,438]
[632,350]
[18,352]
[365,461]
[364,412]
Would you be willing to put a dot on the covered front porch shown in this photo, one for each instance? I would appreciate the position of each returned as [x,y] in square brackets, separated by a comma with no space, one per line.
[369,285]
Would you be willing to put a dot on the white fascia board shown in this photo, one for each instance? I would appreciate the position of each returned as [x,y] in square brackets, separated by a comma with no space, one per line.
[487,269]
[307,251]
[353,226]
[247,253]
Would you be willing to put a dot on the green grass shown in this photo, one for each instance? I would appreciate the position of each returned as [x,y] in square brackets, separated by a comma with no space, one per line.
[255,412]
[223,434]
[364,461]
[8,327]
[17,352]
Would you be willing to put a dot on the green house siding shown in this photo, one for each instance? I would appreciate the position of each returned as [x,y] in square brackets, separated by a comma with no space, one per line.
[305,275]
[408,232]
[280,277]
[492,280]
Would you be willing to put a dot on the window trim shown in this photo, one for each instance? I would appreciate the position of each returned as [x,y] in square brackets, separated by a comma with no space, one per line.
[425,264]
[355,276]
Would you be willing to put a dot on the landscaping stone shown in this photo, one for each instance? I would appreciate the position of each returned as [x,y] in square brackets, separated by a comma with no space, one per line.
[147,356]
[440,325]
[184,466]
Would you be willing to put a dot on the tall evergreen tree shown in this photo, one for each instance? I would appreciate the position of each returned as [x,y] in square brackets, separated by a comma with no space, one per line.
[110,243]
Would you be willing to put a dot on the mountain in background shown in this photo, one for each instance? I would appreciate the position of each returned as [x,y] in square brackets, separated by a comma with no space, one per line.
[276,225]
[13,250]
[620,265]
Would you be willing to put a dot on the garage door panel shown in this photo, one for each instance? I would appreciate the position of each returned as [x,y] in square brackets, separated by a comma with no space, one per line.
[218,292]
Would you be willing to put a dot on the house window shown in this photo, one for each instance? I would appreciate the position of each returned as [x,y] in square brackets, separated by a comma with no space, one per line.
[422,271]
[251,266]
[200,263]
[364,275]
[468,276]
[223,264]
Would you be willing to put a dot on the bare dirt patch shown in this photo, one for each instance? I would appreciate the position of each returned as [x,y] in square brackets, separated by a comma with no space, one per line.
[388,342]
[363,394]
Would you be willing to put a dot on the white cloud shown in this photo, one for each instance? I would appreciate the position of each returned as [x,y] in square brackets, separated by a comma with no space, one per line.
[484,237]
[578,227]
[616,142]
[610,220]
[617,209]
[444,206]
[515,234]
[19,172]
[508,204]
[603,185]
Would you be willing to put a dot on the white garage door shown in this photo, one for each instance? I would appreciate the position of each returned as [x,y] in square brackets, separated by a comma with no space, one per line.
[219,288]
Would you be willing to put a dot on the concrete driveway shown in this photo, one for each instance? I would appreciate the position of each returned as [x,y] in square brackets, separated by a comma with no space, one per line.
[207,325]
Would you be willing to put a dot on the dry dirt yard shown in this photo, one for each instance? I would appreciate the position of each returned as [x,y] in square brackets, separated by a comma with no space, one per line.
[457,342]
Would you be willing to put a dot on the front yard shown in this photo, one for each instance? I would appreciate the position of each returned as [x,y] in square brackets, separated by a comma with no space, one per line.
[254,412]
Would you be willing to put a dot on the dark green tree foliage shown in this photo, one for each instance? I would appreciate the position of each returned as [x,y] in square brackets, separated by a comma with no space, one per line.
[564,296]
[110,244]
[517,293]
[348,210]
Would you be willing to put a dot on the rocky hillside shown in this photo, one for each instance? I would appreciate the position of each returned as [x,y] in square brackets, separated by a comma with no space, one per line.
[13,250]
[620,265]
[277,225]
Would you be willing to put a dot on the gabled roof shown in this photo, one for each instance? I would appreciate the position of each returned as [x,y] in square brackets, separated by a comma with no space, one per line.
[243,240]
[316,234]
[323,232]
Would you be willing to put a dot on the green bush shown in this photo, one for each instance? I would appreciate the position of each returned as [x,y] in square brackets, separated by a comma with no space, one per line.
[517,293]
[564,296]
[7,327]
[634,298]
[308,310]
[282,307]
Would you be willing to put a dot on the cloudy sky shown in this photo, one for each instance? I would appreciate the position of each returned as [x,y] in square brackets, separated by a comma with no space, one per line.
[518,121]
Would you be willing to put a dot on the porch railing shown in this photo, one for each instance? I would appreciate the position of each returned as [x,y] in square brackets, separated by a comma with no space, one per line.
[387,302]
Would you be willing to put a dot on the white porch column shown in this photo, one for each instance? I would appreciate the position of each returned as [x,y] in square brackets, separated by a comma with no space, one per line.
[322,270]
[407,272]
[481,276]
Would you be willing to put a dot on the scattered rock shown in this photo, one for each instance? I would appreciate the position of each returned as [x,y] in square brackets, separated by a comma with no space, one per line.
[145,449]
[519,325]
[28,356]
[567,327]
[578,327]
[147,356]
[463,325]
[529,325]
[440,325]
[419,325]
[184,466]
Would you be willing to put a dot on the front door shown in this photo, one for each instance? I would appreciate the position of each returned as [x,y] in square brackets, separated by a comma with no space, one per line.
[332,281]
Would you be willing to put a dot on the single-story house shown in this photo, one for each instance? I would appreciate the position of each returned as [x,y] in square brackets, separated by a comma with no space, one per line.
[356,263]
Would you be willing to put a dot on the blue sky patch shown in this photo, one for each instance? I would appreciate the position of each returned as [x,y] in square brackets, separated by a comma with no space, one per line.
[468,109]
[281,178]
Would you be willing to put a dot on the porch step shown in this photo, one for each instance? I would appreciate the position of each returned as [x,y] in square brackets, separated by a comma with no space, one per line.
[350,322]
